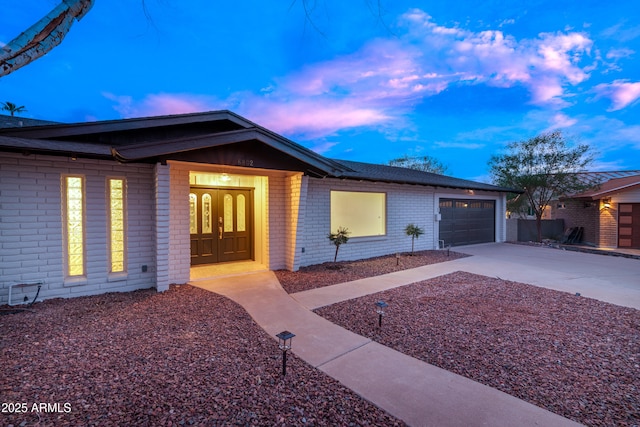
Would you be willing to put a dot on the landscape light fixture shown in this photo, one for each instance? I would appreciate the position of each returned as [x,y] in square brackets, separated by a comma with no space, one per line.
[284,343]
[380,306]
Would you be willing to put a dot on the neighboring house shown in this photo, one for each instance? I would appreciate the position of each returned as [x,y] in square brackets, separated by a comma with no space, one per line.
[18,122]
[119,205]
[609,213]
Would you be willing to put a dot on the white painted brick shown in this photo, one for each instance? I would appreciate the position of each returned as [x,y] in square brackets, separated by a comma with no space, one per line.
[31,223]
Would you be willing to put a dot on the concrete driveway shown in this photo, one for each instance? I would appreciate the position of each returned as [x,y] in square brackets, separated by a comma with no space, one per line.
[606,278]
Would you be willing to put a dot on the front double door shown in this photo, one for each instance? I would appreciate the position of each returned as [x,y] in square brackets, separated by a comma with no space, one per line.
[221,225]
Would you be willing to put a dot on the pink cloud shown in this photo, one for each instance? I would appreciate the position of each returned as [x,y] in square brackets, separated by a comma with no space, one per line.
[160,104]
[621,92]
[377,84]
[309,118]
[545,65]
[560,121]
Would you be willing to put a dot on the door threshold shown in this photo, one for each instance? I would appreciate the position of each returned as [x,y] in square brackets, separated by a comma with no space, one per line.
[202,272]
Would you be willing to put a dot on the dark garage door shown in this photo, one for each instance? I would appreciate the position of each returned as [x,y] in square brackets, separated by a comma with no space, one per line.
[465,222]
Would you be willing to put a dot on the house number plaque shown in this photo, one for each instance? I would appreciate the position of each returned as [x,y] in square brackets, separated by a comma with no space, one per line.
[245,162]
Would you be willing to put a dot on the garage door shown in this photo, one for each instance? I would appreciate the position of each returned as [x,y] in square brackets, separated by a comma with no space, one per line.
[629,225]
[465,222]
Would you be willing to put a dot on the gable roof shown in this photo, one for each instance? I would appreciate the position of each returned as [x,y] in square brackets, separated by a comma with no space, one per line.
[189,137]
[612,186]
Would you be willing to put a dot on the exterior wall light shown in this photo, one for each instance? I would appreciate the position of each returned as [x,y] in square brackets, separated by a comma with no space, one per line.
[380,306]
[284,343]
[606,203]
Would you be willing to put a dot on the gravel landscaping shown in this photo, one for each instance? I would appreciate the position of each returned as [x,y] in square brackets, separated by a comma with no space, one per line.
[183,357]
[330,273]
[574,356]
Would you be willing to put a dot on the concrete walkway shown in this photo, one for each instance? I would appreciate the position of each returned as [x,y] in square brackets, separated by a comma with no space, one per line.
[606,278]
[411,390]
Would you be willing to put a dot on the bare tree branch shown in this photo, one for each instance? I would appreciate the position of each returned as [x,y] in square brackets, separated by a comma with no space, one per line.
[43,36]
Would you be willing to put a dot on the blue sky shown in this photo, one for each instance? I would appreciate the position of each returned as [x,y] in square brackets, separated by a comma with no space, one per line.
[353,80]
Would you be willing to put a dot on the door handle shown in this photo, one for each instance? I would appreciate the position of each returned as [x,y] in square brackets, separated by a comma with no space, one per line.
[220,233]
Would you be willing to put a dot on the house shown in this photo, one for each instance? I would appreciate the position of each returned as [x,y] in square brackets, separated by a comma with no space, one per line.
[127,204]
[609,213]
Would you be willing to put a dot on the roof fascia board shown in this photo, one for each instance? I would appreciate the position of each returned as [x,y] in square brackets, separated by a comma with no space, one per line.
[53,147]
[88,128]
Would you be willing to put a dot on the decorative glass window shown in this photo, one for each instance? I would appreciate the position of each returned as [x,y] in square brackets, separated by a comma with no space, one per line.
[117,238]
[73,199]
[241,214]
[228,213]
[363,214]
[193,213]
[207,225]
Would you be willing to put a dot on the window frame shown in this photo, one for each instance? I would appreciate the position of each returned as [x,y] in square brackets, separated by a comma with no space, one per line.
[384,212]
[110,248]
[72,279]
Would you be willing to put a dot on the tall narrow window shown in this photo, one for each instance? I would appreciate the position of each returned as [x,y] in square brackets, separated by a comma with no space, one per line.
[241,214]
[193,212]
[73,193]
[117,236]
[207,226]
[228,213]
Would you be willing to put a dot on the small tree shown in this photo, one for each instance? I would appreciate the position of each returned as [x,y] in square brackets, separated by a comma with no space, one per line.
[13,108]
[342,236]
[414,231]
[421,163]
[543,167]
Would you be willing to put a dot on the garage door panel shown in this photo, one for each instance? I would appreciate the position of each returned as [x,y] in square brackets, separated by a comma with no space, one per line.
[465,222]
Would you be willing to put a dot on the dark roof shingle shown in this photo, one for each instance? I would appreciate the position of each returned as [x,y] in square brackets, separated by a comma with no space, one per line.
[375,172]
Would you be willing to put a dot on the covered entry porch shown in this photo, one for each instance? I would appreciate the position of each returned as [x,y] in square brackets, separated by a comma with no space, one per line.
[229,220]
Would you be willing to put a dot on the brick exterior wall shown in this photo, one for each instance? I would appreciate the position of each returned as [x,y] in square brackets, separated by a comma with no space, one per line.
[608,226]
[180,239]
[578,213]
[162,192]
[600,223]
[296,189]
[31,229]
[405,204]
[277,233]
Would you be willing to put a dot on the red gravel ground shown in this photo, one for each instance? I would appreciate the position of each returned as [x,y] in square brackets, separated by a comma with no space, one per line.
[329,273]
[574,356]
[183,357]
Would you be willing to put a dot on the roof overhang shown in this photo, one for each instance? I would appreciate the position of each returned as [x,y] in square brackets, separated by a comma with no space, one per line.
[56,148]
[54,131]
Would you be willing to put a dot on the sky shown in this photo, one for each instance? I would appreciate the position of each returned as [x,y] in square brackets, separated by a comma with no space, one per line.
[364,80]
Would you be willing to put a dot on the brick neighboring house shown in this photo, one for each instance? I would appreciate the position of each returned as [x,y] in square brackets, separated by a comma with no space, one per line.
[119,205]
[609,213]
